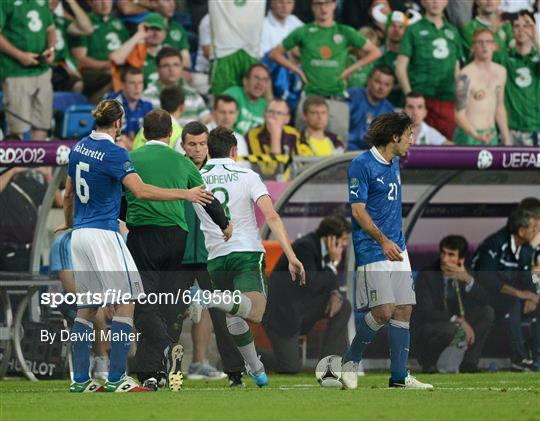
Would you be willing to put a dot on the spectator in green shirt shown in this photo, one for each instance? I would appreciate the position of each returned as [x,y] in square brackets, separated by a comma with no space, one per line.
[428,62]
[324,47]
[27,39]
[92,51]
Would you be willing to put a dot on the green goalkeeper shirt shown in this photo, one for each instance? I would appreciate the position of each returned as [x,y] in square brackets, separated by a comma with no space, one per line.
[161,166]
[433,54]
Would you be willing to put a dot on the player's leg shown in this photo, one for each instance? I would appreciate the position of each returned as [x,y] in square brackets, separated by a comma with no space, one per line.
[100,369]
[398,331]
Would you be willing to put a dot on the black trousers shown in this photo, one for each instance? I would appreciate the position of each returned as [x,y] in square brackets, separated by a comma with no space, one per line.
[434,337]
[157,252]
[230,356]
[509,310]
[285,357]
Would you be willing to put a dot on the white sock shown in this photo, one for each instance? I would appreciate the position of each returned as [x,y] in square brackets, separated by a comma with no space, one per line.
[226,301]
[242,337]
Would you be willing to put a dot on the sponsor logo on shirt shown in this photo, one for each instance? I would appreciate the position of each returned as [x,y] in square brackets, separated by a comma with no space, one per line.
[325,52]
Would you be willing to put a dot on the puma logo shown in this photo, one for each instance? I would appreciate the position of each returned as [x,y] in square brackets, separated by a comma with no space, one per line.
[380,180]
[355,193]
[492,253]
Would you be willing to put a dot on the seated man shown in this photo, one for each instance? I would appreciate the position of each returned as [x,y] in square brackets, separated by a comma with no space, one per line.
[169,65]
[367,103]
[502,265]
[275,142]
[225,113]
[321,141]
[423,133]
[251,98]
[293,310]
[135,108]
[448,303]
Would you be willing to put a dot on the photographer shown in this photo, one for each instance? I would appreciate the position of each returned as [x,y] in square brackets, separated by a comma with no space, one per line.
[27,40]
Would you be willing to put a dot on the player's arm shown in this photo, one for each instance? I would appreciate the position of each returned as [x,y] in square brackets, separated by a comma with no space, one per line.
[144,191]
[69,195]
[402,64]
[279,55]
[500,113]
[371,52]
[278,229]
[390,249]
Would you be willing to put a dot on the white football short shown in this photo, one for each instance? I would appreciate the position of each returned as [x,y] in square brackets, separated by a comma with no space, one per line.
[384,282]
[103,266]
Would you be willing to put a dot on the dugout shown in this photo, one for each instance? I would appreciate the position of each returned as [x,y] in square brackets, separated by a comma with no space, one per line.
[446,190]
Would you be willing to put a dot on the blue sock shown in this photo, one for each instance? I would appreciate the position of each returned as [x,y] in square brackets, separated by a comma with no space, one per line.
[80,349]
[120,329]
[365,332]
[399,338]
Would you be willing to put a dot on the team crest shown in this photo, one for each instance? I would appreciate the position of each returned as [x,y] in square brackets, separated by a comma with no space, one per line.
[449,34]
[535,59]
[501,34]
[40,3]
[338,38]
[176,35]
[17,3]
[424,33]
[373,295]
[116,24]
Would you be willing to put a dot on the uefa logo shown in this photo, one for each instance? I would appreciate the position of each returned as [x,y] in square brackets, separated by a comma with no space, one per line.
[485,159]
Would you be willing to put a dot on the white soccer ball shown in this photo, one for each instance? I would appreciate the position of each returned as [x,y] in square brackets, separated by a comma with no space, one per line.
[485,159]
[62,154]
[328,371]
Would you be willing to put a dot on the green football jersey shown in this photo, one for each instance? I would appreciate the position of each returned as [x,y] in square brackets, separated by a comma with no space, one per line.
[323,54]
[502,36]
[522,92]
[177,36]
[109,35]
[249,114]
[433,54]
[24,24]
[149,70]
[359,78]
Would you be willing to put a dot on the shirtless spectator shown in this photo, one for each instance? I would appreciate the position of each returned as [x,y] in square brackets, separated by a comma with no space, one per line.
[423,133]
[480,96]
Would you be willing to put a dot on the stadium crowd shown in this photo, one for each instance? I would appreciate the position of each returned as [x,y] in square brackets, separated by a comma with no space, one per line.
[466,72]
[304,85]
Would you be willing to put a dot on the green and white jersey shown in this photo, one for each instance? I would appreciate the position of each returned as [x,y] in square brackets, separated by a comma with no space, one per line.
[177,36]
[150,73]
[24,24]
[522,90]
[236,25]
[323,53]
[109,35]
[433,55]
[250,114]
[238,189]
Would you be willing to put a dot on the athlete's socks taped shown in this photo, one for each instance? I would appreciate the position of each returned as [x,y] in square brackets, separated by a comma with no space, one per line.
[365,332]
[399,338]
[120,344]
[242,337]
[81,346]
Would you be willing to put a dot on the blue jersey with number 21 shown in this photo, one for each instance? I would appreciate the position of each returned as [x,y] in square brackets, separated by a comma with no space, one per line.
[375,182]
[97,167]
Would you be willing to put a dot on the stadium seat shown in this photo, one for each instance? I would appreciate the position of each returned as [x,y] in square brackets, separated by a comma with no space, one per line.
[78,121]
[63,100]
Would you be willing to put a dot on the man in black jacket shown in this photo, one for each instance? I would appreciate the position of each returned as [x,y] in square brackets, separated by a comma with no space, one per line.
[502,264]
[293,310]
[449,302]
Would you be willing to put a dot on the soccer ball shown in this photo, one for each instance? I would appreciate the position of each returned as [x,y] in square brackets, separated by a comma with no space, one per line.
[485,159]
[62,154]
[328,371]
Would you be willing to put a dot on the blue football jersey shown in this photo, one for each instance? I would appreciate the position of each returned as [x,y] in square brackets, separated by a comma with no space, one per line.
[376,183]
[97,167]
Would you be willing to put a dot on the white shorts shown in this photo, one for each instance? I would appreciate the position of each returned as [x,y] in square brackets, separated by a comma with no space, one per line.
[384,282]
[103,267]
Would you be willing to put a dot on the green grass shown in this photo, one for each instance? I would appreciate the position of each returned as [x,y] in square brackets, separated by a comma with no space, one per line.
[493,396]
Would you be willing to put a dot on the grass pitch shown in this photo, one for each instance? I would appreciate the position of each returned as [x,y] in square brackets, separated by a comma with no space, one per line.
[493,396]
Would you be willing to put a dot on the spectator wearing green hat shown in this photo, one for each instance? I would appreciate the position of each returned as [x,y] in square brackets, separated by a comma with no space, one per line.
[141,49]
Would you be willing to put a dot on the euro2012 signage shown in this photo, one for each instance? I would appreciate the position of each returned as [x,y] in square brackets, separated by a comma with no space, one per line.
[32,154]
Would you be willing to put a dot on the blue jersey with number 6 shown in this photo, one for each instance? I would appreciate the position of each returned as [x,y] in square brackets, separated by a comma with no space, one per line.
[375,182]
[97,167]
